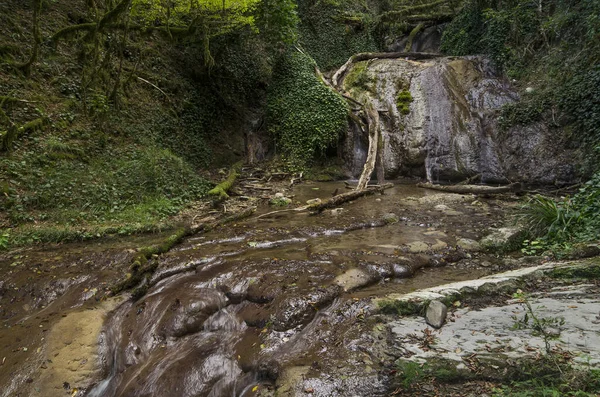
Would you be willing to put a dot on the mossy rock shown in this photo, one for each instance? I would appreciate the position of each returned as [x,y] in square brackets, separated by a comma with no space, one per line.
[589,271]
[402,307]
[403,101]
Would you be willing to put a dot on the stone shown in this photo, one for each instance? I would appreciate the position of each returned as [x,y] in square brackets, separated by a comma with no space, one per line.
[417,246]
[353,279]
[390,218]
[438,245]
[402,270]
[313,201]
[502,238]
[279,195]
[436,314]
[336,211]
[435,233]
[443,137]
[468,244]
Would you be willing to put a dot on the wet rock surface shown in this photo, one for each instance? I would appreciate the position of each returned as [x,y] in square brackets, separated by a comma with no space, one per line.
[282,305]
[449,130]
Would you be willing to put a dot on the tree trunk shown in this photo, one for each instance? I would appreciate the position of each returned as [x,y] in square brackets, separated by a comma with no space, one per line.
[373,117]
[379,167]
[37,39]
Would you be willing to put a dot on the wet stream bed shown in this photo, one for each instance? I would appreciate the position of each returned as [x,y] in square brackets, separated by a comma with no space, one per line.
[243,310]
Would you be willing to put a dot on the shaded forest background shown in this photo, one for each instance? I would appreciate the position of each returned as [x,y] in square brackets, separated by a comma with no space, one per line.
[115,115]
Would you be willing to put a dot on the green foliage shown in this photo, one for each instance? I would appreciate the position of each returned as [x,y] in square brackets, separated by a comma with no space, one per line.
[559,224]
[570,382]
[402,308]
[410,373]
[304,115]
[543,216]
[277,21]
[554,45]
[403,101]
[110,187]
[495,29]
[332,31]
[587,201]
[215,17]
[358,78]
[524,112]
[580,104]
[4,238]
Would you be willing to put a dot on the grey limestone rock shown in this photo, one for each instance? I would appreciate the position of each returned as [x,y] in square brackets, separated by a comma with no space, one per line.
[436,314]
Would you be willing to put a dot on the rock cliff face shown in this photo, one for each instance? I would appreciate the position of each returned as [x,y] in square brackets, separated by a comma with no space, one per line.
[439,120]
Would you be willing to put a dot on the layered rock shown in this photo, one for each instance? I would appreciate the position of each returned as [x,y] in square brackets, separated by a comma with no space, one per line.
[439,120]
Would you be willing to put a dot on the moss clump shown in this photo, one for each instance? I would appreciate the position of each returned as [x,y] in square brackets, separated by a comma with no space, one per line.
[403,308]
[403,101]
[220,191]
[358,78]
[591,272]
[280,201]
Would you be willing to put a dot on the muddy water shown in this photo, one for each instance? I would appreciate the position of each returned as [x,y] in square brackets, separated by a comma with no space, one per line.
[243,310]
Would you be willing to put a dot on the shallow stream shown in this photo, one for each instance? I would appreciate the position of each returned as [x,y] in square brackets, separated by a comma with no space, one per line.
[239,311]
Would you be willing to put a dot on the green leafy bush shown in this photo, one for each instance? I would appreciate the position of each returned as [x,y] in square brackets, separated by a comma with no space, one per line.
[545,217]
[558,224]
[304,115]
[587,201]
[552,47]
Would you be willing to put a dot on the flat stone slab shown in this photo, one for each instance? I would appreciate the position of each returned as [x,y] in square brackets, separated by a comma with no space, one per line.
[490,333]
[445,290]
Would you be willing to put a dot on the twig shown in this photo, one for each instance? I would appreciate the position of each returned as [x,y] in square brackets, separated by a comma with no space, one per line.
[153,85]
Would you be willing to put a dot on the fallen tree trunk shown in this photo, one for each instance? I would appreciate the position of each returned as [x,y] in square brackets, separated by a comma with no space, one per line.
[472,189]
[334,201]
[345,197]
[365,56]
[143,267]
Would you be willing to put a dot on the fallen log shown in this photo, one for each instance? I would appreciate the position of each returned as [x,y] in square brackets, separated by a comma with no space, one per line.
[472,189]
[143,267]
[345,197]
[366,56]
[334,201]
